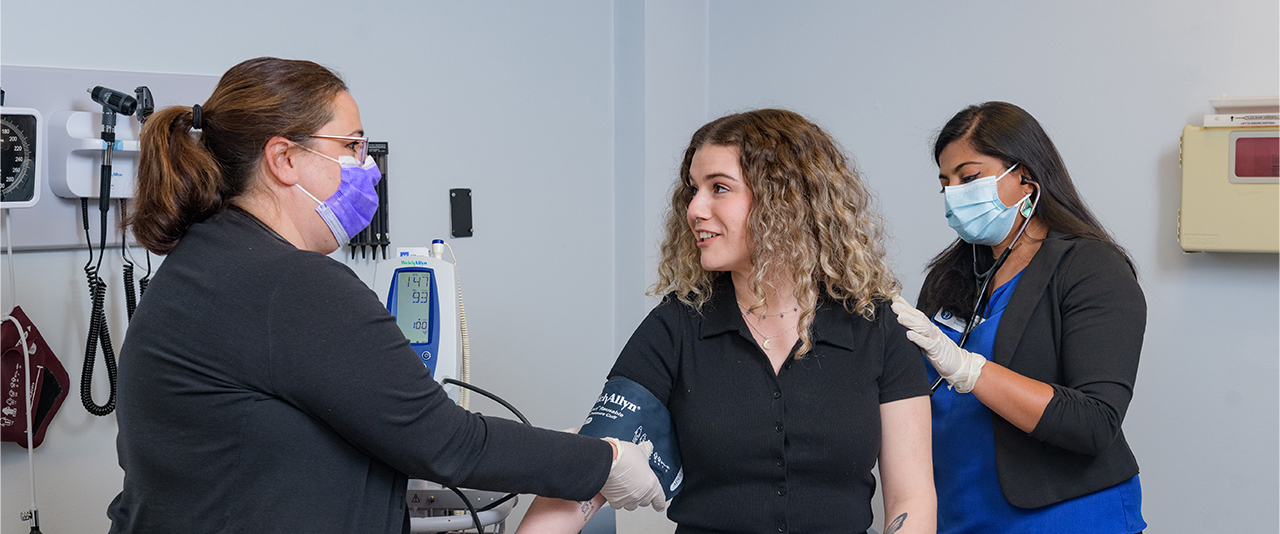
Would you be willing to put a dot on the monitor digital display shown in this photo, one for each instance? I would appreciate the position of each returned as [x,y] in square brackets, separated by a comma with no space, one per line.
[413,305]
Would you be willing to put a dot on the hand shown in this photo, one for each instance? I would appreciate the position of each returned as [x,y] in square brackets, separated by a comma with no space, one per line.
[631,482]
[960,367]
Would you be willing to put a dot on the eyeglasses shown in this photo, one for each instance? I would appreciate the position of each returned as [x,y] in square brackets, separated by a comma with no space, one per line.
[359,145]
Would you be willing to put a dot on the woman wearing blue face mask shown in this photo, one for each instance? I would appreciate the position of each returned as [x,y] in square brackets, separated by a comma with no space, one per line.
[1033,321]
[262,386]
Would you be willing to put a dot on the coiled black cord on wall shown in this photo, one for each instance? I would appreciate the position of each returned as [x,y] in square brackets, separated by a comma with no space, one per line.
[98,331]
[130,293]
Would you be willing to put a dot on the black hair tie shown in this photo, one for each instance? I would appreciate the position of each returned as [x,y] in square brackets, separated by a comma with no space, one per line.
[195,118]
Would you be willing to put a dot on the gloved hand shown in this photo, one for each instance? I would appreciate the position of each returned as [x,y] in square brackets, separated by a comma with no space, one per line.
[960,367]
[631,482]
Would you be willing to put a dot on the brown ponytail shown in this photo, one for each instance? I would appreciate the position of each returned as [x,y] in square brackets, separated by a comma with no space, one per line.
[184,177]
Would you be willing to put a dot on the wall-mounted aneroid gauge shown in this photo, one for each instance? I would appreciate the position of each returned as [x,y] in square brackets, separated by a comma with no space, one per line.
[21,142]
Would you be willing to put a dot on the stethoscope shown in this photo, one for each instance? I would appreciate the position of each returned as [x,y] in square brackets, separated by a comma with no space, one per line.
[984,278]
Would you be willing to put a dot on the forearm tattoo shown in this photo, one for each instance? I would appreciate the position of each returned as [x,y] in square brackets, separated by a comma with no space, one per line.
[587,508]
[896,525]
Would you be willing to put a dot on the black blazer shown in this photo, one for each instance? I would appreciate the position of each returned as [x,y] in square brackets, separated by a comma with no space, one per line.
[1075,321]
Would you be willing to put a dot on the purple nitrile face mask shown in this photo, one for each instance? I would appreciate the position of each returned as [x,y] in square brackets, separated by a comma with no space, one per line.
[349,209]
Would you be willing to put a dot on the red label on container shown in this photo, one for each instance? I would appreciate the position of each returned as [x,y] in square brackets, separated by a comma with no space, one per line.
[1258,157]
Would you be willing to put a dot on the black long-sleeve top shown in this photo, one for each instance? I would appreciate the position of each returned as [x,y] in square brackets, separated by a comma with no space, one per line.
[263,388]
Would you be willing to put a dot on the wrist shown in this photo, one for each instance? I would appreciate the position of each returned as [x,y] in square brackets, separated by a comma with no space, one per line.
[967,377]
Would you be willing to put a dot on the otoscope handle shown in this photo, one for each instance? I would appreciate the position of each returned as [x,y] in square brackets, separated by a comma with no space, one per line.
[113,102]
[104,192]
[104,180]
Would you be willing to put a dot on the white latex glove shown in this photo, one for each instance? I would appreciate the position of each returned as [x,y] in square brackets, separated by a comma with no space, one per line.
[960,367]
[631,482]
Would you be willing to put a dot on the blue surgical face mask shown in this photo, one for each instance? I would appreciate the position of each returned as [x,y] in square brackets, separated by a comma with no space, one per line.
[976,213]
[349,209]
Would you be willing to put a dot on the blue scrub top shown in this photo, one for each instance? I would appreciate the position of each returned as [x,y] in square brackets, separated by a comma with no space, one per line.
[964,464]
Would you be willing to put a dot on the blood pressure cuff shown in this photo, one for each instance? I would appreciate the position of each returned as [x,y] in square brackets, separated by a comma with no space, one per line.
[49,382]
[627,411]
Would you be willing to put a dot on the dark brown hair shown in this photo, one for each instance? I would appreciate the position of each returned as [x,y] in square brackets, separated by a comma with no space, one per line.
[184,177]
[1008,133]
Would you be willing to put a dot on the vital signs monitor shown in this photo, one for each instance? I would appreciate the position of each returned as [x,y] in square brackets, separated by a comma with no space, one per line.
[419,289]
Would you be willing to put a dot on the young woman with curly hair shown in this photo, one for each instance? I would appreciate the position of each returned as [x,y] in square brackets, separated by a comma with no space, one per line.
[774,349]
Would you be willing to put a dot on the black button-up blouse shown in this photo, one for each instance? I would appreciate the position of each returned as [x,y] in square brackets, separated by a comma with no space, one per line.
[765,452]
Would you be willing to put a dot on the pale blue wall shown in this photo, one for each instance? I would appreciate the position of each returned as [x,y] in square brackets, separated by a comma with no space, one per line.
[1113,83]
[535,107]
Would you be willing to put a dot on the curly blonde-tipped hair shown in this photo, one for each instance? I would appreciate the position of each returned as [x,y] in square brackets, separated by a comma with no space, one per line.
[811,217]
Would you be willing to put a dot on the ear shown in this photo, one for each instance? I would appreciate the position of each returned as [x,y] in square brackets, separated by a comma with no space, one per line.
[280,164]
[1028,185]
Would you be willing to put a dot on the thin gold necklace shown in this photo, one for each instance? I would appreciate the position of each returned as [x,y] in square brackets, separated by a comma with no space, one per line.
[764,316]
[764,343]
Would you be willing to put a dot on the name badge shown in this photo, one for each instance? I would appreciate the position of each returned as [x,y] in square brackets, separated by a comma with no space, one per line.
[949,320]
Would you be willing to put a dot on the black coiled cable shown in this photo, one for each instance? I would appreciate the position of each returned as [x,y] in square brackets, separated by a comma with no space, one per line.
[130,294]
[130,298]
[98,331]
[146,278]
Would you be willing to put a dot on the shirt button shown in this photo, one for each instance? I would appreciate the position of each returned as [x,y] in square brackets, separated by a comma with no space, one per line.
[777,427]
[786,366]
[782,492]
[782,527]
[781,463]
[777,394]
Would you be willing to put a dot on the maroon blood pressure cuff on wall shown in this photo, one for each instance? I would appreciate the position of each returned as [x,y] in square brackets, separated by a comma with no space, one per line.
[627,411]
[49,382]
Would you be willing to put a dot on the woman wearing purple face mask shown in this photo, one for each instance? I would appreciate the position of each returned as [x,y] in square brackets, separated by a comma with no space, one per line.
[1032,322]
[262,386]
[351,207]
